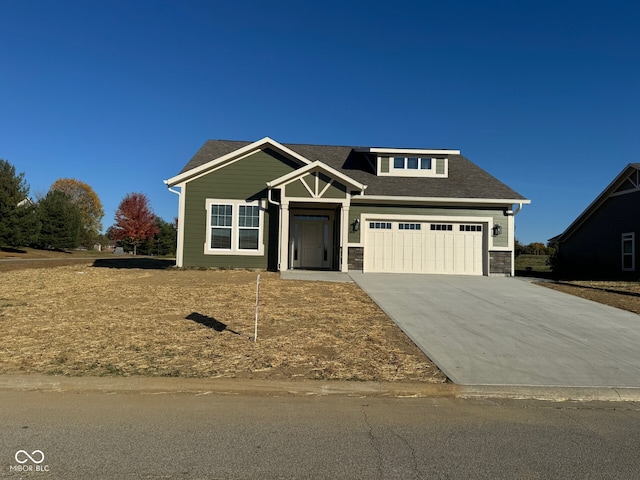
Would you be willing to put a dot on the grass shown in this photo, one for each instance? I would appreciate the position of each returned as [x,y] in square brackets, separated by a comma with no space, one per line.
[532,265]
[84,319]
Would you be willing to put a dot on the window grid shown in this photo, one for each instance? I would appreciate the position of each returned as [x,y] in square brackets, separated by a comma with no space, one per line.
[380,225]
[412,163]
[442,227]
[470,228]
[248,227]
[234,227]
[221,222]
[409,226]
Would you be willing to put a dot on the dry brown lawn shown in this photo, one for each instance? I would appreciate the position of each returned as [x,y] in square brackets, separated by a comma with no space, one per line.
[624,295]
[79,319]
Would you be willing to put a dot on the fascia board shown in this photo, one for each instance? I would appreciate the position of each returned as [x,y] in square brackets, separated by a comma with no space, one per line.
[410,151]
[593,206]
[482,201]
[186,176]
[312,166]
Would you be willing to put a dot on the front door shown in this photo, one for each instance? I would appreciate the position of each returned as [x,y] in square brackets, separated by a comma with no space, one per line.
[312,241]
[311,245]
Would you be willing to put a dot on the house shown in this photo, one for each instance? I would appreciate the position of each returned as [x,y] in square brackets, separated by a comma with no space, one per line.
[279,206]
[601,242]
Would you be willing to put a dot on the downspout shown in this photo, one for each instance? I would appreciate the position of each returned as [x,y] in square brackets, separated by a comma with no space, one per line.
[180,226]
[273,202]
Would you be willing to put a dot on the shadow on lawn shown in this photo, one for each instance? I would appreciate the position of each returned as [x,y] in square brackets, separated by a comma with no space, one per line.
[600,289]
[11,250]
[209,322]
[148,263]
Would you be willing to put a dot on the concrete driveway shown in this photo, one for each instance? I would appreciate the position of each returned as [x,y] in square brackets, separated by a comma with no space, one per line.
[507,331]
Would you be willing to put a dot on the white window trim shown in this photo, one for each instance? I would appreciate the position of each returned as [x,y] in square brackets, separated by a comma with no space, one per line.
[235,228]
[628,236]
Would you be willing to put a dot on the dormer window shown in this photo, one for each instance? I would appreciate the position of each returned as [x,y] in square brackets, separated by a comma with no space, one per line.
[412,166]
[412,163]
[409,162]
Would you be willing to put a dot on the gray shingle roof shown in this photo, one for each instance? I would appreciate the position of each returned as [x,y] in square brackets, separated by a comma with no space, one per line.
[465,180]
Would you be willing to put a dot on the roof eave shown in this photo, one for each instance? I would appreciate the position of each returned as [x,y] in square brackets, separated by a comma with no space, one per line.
[266,141]
[505,202]
[593,206]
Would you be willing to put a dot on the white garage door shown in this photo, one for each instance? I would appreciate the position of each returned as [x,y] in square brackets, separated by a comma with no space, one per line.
[423,247]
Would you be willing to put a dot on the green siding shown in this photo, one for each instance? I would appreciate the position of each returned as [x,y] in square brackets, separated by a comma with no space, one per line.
[297,189]
[497,214]
[336,190]
[384,164]
[440,166]
[310,180]
[245,179]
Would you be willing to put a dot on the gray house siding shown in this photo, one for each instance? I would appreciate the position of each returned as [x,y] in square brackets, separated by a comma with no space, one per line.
[595,248]
[243,180]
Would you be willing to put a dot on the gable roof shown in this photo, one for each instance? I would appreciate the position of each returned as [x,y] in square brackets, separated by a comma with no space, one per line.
[465,180]
[316,166]
[612,188]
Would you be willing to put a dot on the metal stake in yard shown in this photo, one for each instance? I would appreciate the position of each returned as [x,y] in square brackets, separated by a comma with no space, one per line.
[255,330]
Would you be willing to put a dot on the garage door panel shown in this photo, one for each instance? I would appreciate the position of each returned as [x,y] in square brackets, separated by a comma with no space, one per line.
[422,247]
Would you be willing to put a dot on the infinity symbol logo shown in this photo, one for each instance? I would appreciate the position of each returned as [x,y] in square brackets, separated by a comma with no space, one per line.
[30,457]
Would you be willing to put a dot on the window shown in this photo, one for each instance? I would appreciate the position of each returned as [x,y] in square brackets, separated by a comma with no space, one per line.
[409,226]
[470,228]
[442,226]
[234,227]
[221,217]
[248,227]
[411,163]
[380,225]
[628,251]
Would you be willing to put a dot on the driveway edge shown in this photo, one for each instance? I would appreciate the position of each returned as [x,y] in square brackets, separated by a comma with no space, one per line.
[259,387]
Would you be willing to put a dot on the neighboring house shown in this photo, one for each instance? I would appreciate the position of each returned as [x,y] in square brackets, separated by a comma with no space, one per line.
[601,242]
[280,206]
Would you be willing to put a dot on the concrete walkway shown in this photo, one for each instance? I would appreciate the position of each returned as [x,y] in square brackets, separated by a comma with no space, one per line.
[507,331]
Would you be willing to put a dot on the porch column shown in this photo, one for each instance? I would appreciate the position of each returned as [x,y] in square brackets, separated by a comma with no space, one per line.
[344,239]
[283,237]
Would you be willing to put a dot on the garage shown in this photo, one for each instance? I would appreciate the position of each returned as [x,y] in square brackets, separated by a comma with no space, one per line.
[424,247]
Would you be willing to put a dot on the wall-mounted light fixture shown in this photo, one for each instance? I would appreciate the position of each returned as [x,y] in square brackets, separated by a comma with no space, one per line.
[496,230]
[355,226]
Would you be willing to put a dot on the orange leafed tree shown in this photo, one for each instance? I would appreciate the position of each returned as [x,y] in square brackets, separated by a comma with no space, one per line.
[89,204]
[135,222]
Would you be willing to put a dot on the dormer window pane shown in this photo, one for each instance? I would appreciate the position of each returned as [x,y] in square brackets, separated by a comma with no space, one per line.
[412,163]
[425,164]
[398,162]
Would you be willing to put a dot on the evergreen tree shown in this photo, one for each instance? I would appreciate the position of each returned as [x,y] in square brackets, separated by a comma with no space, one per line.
[17,222]
[162,243]
[60,221]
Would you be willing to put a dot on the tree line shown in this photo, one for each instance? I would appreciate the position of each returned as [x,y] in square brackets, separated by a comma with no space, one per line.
[70,216]
[535,248]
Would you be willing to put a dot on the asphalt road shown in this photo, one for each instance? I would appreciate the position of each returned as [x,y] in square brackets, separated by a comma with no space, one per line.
[66,435]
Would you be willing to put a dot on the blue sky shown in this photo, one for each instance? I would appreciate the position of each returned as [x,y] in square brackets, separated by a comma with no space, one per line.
[120,94]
